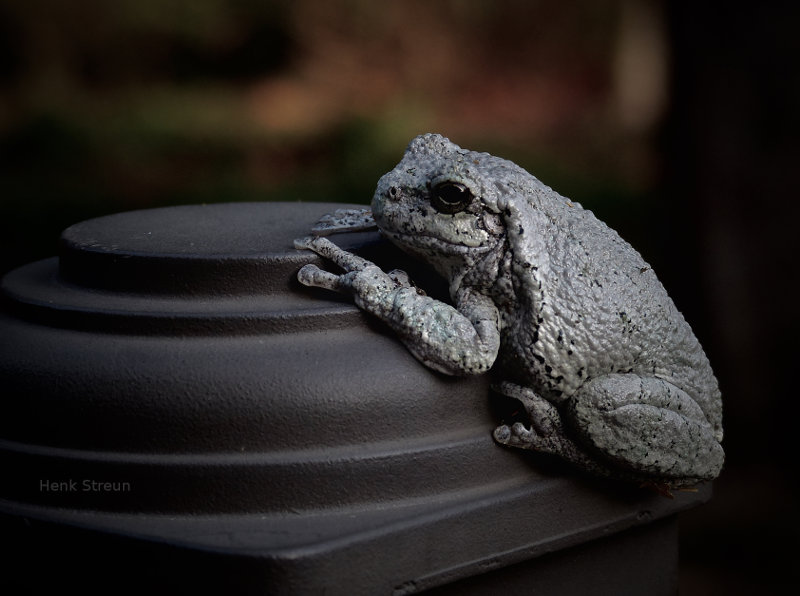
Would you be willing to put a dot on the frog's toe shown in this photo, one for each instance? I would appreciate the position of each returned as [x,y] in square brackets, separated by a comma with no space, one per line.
[345,220]
[304,243]
[401,279]
[521,433]
[311,275]
[502,434]
[515,435]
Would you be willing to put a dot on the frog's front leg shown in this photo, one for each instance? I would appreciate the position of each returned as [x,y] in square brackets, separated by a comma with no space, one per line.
[457,341]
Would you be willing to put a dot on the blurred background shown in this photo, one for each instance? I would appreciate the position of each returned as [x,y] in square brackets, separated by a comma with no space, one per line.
[676,122]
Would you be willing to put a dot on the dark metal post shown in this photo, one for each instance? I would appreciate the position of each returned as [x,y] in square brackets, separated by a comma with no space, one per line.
[177,411]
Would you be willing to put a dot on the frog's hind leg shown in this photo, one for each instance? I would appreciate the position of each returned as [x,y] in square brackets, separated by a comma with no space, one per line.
[546,433]
[645,425]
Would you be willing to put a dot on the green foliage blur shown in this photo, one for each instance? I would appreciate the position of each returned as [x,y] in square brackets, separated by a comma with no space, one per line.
[111,106]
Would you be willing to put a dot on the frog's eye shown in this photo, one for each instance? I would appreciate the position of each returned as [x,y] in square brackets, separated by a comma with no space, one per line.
[450,197]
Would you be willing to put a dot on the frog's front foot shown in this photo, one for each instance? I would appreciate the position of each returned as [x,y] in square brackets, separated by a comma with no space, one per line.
[345,220]
[310,274]
[372,289]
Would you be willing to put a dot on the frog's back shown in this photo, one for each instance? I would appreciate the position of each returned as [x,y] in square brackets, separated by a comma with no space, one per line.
[603,303]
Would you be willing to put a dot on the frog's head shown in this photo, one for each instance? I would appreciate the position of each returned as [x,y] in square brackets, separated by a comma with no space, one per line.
[445,204]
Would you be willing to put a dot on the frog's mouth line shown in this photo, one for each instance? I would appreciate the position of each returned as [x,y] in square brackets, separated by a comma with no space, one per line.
[430,242]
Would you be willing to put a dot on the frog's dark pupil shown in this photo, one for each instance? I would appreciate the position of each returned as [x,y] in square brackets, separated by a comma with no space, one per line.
[451,197]
[451,193]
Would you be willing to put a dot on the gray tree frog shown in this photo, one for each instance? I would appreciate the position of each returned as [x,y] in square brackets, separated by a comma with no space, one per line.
[572,321]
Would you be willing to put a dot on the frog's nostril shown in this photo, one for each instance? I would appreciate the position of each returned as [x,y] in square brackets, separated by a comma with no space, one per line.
[393,192]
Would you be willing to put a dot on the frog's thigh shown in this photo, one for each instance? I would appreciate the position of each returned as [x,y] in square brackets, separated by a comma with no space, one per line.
[647,425]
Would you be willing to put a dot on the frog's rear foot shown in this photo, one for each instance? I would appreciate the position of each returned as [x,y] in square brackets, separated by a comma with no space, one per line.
[557,443]
[515,435]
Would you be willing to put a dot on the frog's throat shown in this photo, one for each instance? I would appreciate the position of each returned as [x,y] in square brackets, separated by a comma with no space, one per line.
[428,243]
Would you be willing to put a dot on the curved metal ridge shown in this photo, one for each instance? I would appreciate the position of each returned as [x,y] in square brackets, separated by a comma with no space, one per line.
[256,481]
[344,452]
[193,250]
[36,293]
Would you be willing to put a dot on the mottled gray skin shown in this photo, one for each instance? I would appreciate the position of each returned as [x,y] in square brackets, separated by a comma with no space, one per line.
[573,322]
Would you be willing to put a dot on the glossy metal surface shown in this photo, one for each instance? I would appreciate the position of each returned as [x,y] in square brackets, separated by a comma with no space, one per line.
[167,382]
